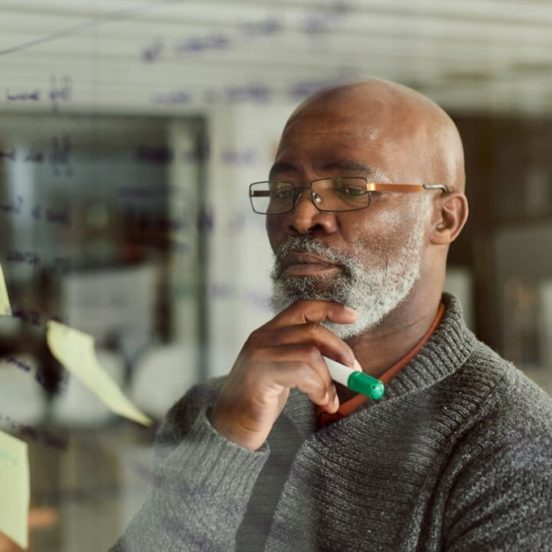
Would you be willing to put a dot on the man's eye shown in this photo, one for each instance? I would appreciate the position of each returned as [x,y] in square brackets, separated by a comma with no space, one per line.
[282,193]
[352,191]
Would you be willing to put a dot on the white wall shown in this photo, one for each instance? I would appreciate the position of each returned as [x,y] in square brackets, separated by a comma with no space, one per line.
[239,254]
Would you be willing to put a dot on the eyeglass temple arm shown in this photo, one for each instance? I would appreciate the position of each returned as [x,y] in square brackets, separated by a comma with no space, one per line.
[393,187]
[441,187]
[376,186]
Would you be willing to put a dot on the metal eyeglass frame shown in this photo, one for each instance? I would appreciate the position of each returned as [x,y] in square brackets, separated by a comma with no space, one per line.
[370,187]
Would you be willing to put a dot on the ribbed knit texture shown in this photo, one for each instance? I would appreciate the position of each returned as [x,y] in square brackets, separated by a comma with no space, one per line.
[456,457]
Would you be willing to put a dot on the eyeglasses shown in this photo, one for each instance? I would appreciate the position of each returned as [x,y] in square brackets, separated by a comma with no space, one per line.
[335,194]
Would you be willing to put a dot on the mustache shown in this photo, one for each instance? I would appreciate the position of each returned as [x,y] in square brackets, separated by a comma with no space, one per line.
[311,246]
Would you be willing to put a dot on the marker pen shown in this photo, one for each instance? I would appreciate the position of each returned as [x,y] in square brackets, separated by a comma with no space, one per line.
[355,379]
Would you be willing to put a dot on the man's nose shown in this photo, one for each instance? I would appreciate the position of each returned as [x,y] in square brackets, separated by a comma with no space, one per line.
[307,219]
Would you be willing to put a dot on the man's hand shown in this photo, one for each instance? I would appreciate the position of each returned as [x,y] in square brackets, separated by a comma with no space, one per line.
[284,353]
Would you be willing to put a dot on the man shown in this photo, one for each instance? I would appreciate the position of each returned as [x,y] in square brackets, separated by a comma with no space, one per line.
[458,453]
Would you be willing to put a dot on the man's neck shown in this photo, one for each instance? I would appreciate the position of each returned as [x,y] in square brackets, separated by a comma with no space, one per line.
[381,348]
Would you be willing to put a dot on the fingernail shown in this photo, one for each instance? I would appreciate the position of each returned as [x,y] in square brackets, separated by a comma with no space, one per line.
[356,365]
[350,310]
[336,403]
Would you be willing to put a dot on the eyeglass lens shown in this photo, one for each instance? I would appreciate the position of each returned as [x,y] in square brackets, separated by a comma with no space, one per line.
[328,194]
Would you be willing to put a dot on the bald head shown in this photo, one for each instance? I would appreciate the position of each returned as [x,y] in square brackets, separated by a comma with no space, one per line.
[397,118]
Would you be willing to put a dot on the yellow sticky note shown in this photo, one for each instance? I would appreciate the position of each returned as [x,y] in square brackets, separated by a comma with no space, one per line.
[75,350]
[15,489]
[5,307]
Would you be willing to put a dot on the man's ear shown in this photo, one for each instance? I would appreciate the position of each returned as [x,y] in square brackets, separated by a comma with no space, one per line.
[449,217]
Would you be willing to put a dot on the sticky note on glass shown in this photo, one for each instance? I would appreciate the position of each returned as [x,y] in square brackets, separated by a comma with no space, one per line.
[5,307]
[75,350]
[15,489]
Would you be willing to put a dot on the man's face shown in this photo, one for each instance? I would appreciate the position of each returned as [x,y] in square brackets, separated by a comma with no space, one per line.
[367,259]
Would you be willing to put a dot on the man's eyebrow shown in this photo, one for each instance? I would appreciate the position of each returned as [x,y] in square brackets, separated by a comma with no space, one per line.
[281,167]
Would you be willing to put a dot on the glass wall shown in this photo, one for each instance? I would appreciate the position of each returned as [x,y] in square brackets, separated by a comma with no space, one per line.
[128,136]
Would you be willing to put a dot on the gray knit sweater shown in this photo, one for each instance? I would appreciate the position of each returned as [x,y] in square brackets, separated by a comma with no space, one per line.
[456,457]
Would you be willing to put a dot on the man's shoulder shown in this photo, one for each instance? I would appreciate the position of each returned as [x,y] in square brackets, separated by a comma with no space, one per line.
[510,384]
[508,404]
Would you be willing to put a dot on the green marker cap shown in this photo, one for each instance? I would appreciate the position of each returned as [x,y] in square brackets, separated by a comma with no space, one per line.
[367,385]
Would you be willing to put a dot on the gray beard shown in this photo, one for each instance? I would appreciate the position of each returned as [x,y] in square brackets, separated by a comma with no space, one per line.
[372,292]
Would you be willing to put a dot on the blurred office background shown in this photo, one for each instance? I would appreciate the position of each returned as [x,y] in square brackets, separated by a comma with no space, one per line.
[129,132]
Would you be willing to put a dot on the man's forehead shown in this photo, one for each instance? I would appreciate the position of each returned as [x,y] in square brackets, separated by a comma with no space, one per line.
[365,112]
[329,141]
[326,143]
[322,122]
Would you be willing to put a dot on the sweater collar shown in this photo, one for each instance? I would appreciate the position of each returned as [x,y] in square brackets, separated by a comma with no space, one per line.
[446,350]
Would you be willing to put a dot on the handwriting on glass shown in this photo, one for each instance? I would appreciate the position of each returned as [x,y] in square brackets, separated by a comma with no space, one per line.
[58,92]
[38,375]
[163,155]
[52,215]
[33,317]
[41,436]
[57,154]
[212,41]
[61,265]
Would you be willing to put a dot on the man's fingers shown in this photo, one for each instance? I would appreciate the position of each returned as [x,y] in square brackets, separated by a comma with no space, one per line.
[312,380]
[314,335]
[305,311]
[300,354]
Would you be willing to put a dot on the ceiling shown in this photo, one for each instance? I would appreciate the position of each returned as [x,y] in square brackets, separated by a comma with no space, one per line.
[492,55]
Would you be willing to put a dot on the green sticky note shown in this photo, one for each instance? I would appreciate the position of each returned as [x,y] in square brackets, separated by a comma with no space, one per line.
[5,307]
[15,489]
[75,350]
